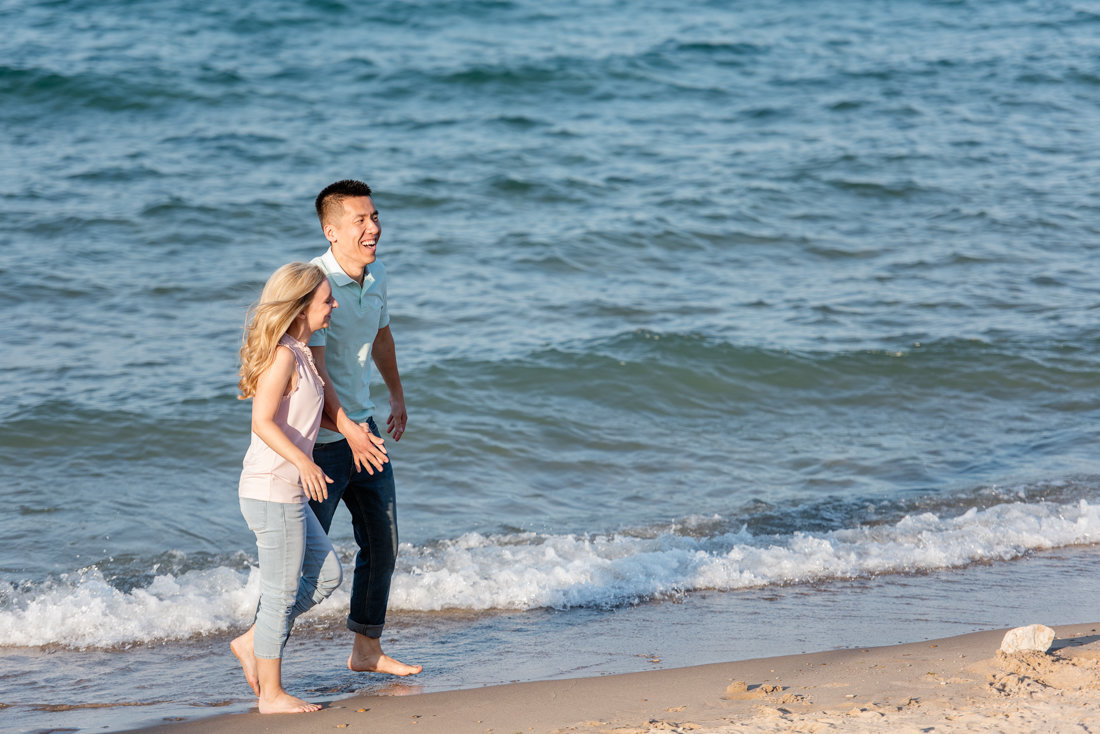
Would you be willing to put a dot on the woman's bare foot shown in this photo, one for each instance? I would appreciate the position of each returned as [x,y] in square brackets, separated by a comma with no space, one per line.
[242,650]
[273,697]
[367,657]
[284,703]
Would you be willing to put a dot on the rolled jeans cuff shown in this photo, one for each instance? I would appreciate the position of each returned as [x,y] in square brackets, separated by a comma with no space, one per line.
[367,630]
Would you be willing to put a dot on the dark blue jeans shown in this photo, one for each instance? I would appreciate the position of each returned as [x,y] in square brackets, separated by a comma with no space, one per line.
[371,499]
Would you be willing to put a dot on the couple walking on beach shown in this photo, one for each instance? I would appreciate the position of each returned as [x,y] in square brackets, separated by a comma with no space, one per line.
[305,363]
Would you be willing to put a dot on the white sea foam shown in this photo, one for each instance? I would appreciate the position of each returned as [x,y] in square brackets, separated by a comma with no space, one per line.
[525,571]
[82,609]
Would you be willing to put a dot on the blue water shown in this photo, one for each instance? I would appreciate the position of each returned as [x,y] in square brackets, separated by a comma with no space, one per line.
[698,310]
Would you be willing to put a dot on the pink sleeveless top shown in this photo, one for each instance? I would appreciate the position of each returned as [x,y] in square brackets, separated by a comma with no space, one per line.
[266,475]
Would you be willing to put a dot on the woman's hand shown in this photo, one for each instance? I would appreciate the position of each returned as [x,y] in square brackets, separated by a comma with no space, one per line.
[314,481]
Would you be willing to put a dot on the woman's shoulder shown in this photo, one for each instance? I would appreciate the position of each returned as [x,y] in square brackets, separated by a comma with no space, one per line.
[292,346]
[284,356]
[294,354]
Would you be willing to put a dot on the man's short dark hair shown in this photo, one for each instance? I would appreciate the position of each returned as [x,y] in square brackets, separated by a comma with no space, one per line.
[332,196]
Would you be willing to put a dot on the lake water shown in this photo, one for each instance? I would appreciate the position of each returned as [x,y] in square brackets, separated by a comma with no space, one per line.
[726,330]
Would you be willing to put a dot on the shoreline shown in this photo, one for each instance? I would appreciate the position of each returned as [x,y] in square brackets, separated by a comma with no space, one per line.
[959,683]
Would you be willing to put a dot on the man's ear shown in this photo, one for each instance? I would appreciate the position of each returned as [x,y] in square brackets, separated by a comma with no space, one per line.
[330,232]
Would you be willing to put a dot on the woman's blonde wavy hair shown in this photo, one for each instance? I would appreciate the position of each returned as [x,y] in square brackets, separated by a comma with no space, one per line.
[287,293]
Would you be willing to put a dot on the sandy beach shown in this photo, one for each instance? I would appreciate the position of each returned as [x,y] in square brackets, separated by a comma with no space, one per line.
[954,684]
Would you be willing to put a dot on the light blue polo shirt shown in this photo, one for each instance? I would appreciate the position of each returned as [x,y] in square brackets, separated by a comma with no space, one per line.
[349,337]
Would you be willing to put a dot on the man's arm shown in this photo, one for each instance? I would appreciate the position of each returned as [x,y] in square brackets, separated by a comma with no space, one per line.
[366,448]
[384,354]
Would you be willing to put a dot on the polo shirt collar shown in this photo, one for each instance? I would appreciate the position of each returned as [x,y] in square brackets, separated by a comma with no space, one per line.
[339,277]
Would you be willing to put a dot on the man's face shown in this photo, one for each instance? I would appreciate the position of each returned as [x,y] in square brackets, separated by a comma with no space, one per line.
[354,232]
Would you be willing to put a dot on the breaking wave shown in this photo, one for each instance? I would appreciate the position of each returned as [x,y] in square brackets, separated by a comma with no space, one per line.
[522,571]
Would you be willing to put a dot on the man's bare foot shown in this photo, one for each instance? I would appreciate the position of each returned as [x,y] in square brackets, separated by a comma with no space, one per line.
[367,657]
[242,650]
[382,664]
[284,703]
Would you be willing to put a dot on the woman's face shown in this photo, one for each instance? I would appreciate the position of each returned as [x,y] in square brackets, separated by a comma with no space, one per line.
[319,310]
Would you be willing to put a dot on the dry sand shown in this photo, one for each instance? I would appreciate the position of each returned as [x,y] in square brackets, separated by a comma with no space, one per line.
[958,684]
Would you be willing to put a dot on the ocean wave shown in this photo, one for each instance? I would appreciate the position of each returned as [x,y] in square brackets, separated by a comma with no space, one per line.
[647,369]
[666,369]
[533,571]
[69,90]
[523,571]
[84,610]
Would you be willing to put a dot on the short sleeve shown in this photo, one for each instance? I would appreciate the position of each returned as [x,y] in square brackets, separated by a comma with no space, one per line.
[383,313]
[384,291]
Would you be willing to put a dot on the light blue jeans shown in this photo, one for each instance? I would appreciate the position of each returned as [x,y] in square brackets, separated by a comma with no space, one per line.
[298,568]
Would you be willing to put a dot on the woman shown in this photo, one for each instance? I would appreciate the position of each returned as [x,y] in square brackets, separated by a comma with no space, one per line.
[298,568]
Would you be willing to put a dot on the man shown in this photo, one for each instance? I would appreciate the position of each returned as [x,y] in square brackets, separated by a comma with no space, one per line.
[352,454]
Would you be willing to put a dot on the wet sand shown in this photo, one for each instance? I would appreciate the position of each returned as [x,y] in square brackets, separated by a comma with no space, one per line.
[954,684]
